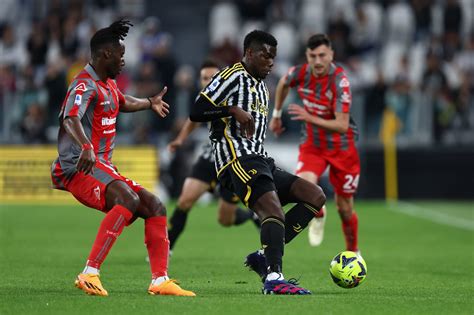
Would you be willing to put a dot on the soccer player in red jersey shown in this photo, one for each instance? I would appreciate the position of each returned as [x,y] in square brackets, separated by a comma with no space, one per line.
[328,134]
[84,166]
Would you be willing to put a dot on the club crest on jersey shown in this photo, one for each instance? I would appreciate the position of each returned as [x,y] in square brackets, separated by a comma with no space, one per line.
[344,83]
[81,87]
[78,99]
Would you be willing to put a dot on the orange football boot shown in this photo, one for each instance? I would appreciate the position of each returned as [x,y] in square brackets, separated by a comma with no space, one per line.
[90,284]
[169,287]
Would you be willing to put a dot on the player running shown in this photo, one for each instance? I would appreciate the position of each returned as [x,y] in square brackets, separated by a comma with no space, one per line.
[236,102]
[84,166]
[203,178]
[329,133]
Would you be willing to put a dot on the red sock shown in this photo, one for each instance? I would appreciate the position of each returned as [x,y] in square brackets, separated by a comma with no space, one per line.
[321,213]
[158,245]
[110,228]
[350,229]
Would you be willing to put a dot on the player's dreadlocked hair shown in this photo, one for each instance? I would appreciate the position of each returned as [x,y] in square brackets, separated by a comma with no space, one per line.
[116,32]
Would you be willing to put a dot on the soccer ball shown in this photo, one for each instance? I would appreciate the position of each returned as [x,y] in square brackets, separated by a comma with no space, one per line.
[348,269]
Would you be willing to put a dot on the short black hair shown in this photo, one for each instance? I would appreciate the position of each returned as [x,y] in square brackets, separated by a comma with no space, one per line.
[116,32]
[209,64]
[258,38]
[318,40]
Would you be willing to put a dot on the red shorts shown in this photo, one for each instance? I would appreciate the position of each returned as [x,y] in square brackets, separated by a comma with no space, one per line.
[344,167]
[90,189]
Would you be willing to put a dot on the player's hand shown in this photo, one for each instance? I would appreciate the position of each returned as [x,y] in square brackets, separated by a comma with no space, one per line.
[246,121]
[299,113]
[158,105]
[276,126]
[86,162]
[174,145]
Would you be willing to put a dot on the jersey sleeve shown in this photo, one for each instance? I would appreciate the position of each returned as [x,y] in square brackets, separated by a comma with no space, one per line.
[81,93]
[223,85]
[343,98]
[291,77]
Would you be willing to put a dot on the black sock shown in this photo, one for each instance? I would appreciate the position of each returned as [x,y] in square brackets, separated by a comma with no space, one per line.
[272,235]
[297,219]
[242,215]
[176,225]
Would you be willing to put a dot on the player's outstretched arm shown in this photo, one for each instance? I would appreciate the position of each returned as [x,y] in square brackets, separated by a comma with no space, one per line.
[74,128]
[339,124]
[187,129]
[155,103]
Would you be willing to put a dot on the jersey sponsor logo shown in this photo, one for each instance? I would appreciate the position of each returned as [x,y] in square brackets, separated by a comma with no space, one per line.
[307,91]
[213,86]
[108,121]
[81,87]
[78,99]
[106,132]
[344,83]
[312,105]
[104,103]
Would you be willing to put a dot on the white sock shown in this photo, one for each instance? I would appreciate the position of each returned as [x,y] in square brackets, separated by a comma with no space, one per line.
[91,270]
[274,276]
[159,280]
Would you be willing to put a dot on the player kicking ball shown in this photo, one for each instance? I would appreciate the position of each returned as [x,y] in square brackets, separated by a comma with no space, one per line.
[84,166]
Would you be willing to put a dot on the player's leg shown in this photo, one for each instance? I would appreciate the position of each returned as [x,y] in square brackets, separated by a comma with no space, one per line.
[311,165]
[230,213]
[192,190]
[202,178]
[152,210]
[103,190]
[344,176]
[316,225]
[309,199]
[350,221]
[251,178]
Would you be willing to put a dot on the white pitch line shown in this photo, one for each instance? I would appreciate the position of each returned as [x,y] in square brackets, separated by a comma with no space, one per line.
[430,215]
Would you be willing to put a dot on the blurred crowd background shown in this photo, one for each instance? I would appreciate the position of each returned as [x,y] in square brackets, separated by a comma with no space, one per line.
[414,57]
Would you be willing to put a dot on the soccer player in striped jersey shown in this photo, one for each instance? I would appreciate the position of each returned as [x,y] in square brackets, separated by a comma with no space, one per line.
[84,166]
[329,133]
[203,178]
[236,102]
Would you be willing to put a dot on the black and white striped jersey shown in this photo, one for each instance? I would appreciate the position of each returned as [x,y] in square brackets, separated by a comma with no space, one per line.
[234,86]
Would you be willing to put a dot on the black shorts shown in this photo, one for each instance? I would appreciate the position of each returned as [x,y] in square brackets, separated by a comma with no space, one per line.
[251,176]
[205,171]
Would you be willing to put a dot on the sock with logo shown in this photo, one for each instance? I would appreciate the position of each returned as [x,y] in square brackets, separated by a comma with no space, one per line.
[272,236]
[110,228]
[177,224]
[158,245]
[297,219]
[350,229]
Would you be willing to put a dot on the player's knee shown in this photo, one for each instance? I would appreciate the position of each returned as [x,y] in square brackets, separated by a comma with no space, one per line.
[185,203]
[319,197]
[345,213]
[225,218]
[129,200]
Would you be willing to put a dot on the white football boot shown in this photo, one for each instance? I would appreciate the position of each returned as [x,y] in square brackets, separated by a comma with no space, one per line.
[316,229]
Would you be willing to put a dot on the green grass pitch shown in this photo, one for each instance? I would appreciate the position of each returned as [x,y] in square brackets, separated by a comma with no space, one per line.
[416,264]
